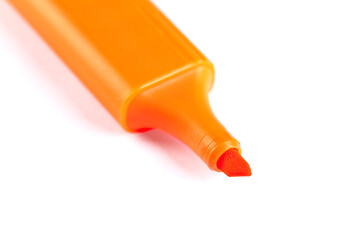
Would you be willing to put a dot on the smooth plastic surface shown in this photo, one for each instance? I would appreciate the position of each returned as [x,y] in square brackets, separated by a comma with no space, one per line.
[139,66]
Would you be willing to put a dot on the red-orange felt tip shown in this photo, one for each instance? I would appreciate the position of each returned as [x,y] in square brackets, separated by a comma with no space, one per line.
[233,164]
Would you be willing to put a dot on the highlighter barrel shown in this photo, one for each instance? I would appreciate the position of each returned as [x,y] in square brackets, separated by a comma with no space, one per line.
[144,71]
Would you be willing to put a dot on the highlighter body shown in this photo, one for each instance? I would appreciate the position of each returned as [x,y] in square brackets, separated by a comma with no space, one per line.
[144,71]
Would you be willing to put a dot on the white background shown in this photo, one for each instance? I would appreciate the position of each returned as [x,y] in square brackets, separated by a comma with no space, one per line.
[288,83]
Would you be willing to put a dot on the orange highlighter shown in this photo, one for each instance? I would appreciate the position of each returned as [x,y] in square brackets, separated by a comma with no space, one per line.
[145,72]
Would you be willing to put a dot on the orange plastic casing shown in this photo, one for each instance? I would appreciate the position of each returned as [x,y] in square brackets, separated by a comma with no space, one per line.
[137,64]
